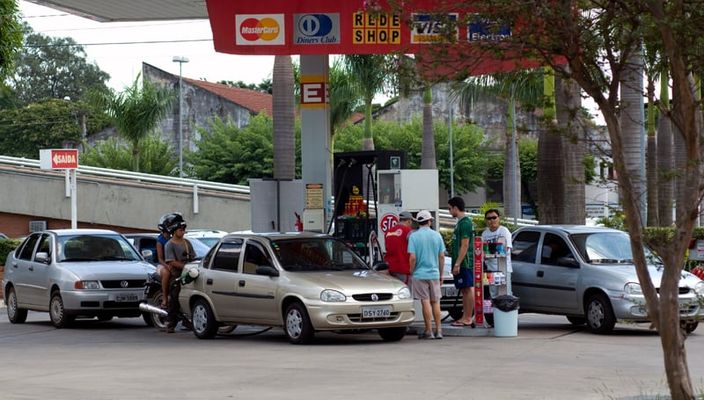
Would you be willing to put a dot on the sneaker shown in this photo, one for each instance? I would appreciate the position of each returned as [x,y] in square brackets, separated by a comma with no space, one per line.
[426,335]
[438,335]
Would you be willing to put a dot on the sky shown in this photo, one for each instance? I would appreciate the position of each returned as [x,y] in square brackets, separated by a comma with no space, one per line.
[124,61]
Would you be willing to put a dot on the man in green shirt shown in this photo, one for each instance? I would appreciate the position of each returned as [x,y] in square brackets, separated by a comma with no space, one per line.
[462,265]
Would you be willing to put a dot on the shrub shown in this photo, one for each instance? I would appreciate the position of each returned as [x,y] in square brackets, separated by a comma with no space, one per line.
[6,246]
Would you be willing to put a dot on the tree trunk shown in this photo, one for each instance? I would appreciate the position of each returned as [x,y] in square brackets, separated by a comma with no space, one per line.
[284,140]
[664,155]
[427,156]
[368,143]
[651,158]
[550,188]
[568,102]
[512,166]
[631,120]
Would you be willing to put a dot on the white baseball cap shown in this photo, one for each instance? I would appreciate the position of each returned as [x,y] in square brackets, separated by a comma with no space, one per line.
[423,216]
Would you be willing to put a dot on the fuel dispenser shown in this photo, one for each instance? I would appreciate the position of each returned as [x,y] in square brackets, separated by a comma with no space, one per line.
[410,190]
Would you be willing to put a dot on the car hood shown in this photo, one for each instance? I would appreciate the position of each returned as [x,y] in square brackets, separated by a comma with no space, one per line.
[348,282]
[96,270]
[628,273]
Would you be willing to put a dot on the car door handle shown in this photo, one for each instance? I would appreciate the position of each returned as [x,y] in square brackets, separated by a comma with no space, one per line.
[31,268]
[241,283]
[540,274]
[14,265]
[209,281]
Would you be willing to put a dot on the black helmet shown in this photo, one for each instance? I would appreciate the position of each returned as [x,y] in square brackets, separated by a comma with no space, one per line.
[172,221]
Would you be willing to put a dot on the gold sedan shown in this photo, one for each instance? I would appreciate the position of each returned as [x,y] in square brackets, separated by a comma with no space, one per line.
[300,281]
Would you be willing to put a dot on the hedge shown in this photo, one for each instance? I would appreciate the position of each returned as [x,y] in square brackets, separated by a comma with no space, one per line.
[6,246]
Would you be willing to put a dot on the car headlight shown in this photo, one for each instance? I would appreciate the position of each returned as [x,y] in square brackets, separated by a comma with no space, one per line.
[86,285]
[633,288]
[699,288]
[404,293]
[332,296]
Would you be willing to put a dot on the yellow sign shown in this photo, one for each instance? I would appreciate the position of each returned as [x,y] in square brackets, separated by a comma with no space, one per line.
[376,28]
[314,196]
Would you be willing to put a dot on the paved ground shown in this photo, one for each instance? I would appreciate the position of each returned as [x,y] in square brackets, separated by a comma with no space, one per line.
[124,359]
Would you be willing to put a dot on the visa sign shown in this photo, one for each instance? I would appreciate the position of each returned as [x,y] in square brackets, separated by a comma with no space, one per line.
[433,28]
[316,28]
[58,158]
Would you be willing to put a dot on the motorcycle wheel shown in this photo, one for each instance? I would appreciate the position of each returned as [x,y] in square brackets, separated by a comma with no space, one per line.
[154,320]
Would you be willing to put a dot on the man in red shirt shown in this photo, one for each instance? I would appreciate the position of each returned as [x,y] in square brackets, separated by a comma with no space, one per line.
[396,240]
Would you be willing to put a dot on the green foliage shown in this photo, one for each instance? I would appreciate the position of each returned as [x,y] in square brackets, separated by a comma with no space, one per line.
[446,237]
[6,246]
[53,68]
[470,161]
[589,169]
[617,220]
[136,111]
[48,124]
[265,86]
[156,156]
[478,222]
[10,36]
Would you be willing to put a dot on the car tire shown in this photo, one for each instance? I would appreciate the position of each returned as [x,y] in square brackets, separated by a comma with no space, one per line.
[689,326]
[456,313]
[155,320]
[392,334]
[57,312]
[204,324]
[226,329]
[297,324]
[577,321]
[600,316]
[15,314]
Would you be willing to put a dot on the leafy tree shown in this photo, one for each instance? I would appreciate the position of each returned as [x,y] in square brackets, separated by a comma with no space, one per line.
[156,156]
[54,68]
[48,124]
[10,36]
[136,111]
[470,161]
[265,86]
[344,96]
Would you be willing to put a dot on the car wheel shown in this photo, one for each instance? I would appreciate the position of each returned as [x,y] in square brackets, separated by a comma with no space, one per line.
[155,320]
[689,326]
[226,329]
[204,324]
[392,334]
[455,313]
[15,314]
[297,324]
[577,320]
[600,316]
[57,312]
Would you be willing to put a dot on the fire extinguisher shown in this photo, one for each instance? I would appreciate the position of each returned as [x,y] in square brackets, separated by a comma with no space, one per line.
[299,223]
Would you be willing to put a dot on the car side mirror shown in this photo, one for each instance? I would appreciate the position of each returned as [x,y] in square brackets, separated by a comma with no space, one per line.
[380,266]
[147,254]
[267,270]
[567,262]
[42,257]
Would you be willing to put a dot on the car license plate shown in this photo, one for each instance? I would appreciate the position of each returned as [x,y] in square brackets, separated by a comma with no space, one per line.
[449,291]
[376,312]
[121,298]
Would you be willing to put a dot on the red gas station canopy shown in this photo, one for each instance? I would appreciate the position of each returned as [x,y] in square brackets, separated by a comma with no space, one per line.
[276,27]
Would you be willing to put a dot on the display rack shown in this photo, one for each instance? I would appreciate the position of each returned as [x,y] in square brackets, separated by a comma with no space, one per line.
[488,282]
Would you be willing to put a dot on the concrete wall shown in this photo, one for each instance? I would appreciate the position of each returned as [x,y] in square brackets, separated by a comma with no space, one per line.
[113,202]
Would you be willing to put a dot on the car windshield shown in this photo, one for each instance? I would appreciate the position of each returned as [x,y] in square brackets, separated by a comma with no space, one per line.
[199,247]
[107,247]
[316,254]
[609,248]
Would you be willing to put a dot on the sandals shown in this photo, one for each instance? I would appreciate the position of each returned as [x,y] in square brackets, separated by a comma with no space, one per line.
[461,324]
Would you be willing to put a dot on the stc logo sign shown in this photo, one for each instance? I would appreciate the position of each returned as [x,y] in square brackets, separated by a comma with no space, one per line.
[266,29]
[316,28]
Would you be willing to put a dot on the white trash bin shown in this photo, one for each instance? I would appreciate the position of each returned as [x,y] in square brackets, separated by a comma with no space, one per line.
[505,323]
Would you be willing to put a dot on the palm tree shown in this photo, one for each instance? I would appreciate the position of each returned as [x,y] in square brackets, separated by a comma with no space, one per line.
[520,86]
[551,193]
[568,101]
[427,154]
[284,138]
[136,111]
[344,96]
[371,75]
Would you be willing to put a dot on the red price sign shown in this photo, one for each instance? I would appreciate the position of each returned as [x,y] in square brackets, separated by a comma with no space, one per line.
[387,222]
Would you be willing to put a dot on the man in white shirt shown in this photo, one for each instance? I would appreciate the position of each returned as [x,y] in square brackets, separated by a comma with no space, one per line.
[494,233]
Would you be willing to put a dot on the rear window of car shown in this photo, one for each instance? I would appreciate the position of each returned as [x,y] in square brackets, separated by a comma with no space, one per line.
[227,257]
[28,247]
[525,246]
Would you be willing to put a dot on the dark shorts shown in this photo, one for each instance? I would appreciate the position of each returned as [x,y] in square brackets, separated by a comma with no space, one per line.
[464,279]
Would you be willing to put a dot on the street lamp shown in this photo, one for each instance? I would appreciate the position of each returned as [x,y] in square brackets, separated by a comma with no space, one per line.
[180,60]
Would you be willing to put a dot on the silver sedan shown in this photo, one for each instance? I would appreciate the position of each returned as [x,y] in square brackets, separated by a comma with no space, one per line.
[71,273]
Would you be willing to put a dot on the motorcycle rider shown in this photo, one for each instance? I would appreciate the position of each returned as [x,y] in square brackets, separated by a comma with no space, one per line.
[177,253]
[163,268]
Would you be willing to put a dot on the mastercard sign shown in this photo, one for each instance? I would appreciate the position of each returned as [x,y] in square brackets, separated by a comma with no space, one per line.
[260,29]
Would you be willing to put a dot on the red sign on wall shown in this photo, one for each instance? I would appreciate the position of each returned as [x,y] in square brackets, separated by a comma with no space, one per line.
[58,158]
[314,92]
